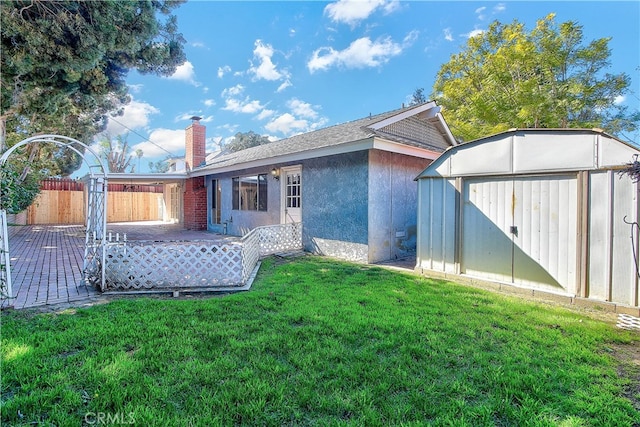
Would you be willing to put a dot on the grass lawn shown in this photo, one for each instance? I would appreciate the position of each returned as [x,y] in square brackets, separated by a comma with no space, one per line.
[316,342]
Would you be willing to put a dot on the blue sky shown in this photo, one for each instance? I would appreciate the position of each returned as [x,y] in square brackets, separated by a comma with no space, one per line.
[280,68]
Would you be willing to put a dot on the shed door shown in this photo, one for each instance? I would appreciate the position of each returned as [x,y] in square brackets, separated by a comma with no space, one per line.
[522,231]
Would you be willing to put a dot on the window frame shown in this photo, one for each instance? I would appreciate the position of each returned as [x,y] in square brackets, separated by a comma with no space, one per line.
[241,189]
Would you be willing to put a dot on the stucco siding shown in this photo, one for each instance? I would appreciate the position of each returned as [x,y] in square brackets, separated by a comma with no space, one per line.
[393,196]
[334,205]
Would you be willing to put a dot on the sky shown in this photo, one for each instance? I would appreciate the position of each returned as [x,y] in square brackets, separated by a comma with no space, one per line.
[280,68]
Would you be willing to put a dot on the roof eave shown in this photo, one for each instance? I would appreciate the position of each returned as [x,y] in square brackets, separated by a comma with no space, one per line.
[350,147]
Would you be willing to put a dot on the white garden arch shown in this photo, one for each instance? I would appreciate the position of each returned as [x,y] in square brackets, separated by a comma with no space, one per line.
[96,219]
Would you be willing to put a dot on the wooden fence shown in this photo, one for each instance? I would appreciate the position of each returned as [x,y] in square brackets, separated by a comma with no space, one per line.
[62,201]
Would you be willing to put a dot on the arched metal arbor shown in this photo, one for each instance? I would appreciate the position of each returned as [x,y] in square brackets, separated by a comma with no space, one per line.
[96,220]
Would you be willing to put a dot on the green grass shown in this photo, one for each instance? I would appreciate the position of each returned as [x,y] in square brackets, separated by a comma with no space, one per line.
[315,342]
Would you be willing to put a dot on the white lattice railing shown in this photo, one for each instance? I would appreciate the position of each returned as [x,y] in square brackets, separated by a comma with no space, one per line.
[151,265]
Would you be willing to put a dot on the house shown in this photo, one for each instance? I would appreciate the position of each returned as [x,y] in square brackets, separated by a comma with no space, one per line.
[351,185]
[541,209]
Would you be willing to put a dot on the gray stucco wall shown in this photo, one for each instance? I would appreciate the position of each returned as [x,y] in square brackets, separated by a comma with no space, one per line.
[358,206]
[334,205]
[393,204]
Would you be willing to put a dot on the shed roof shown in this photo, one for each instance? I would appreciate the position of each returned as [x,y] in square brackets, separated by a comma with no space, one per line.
[521,151]
[350,136]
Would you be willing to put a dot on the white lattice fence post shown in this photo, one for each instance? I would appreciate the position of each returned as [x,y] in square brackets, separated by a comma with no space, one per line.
[6,290]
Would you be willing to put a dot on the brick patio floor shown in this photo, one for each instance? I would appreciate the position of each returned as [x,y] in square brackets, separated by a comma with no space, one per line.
[47,260]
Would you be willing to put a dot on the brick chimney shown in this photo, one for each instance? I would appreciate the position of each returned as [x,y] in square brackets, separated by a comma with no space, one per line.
[195,137]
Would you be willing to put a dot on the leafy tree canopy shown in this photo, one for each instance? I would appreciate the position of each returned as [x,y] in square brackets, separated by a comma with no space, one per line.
[242,141]
[418,97]
[64,64]
[160,166]
[507,77]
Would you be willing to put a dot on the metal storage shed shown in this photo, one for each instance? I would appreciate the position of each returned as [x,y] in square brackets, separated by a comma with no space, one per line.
[540,209]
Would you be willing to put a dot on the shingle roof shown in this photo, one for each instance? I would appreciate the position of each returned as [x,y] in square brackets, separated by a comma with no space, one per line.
[327,137]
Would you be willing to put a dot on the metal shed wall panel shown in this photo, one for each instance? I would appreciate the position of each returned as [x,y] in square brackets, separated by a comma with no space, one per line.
[437,225]
[476,159]
[538,152]
[545,213]
[558,188]
[599,232]
[486,219]
[613,154]
[612,274]
[540,252]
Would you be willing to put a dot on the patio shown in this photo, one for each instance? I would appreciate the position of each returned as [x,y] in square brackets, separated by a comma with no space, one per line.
[46,260]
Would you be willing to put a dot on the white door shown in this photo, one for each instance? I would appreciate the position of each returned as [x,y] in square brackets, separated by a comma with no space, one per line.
[291,194]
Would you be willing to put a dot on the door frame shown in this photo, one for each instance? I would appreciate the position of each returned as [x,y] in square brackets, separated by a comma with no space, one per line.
[283,191]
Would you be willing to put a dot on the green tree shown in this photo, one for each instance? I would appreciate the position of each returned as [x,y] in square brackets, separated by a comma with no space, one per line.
[64,65]
[160,166]
[242,141]
[118,154]
[418,97]
[507,77]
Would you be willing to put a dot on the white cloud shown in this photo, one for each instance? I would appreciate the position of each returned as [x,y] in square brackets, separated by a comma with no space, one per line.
[287,124]
[135,116]
[170,140]
[209,102]
[229,128]
[135,88]
[198,44]
[265,68]
[500,7]
[223,70]
[303,117]
[351,12]
[265,114]
[361,53]
[242,106]
[232,91]
[474,33]
[186,117]
[303,109]
[287,83]
[185,73]
[447,35]
[619,99]
[206,119]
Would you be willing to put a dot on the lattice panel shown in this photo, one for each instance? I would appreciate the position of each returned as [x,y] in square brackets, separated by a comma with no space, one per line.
[250,253]
[156,265]
[280,238]
[142,265]
[626,321]
[95,234]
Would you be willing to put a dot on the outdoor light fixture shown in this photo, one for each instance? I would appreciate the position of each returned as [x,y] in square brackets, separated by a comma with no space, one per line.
[275,173]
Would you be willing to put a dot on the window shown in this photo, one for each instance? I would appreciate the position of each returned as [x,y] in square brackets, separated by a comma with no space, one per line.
[216,207]
[249,193]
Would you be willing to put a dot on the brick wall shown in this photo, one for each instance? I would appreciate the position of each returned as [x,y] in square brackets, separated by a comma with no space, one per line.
[195,204]
[195,144]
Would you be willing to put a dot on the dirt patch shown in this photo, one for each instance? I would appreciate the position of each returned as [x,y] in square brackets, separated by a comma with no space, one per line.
[628,356]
